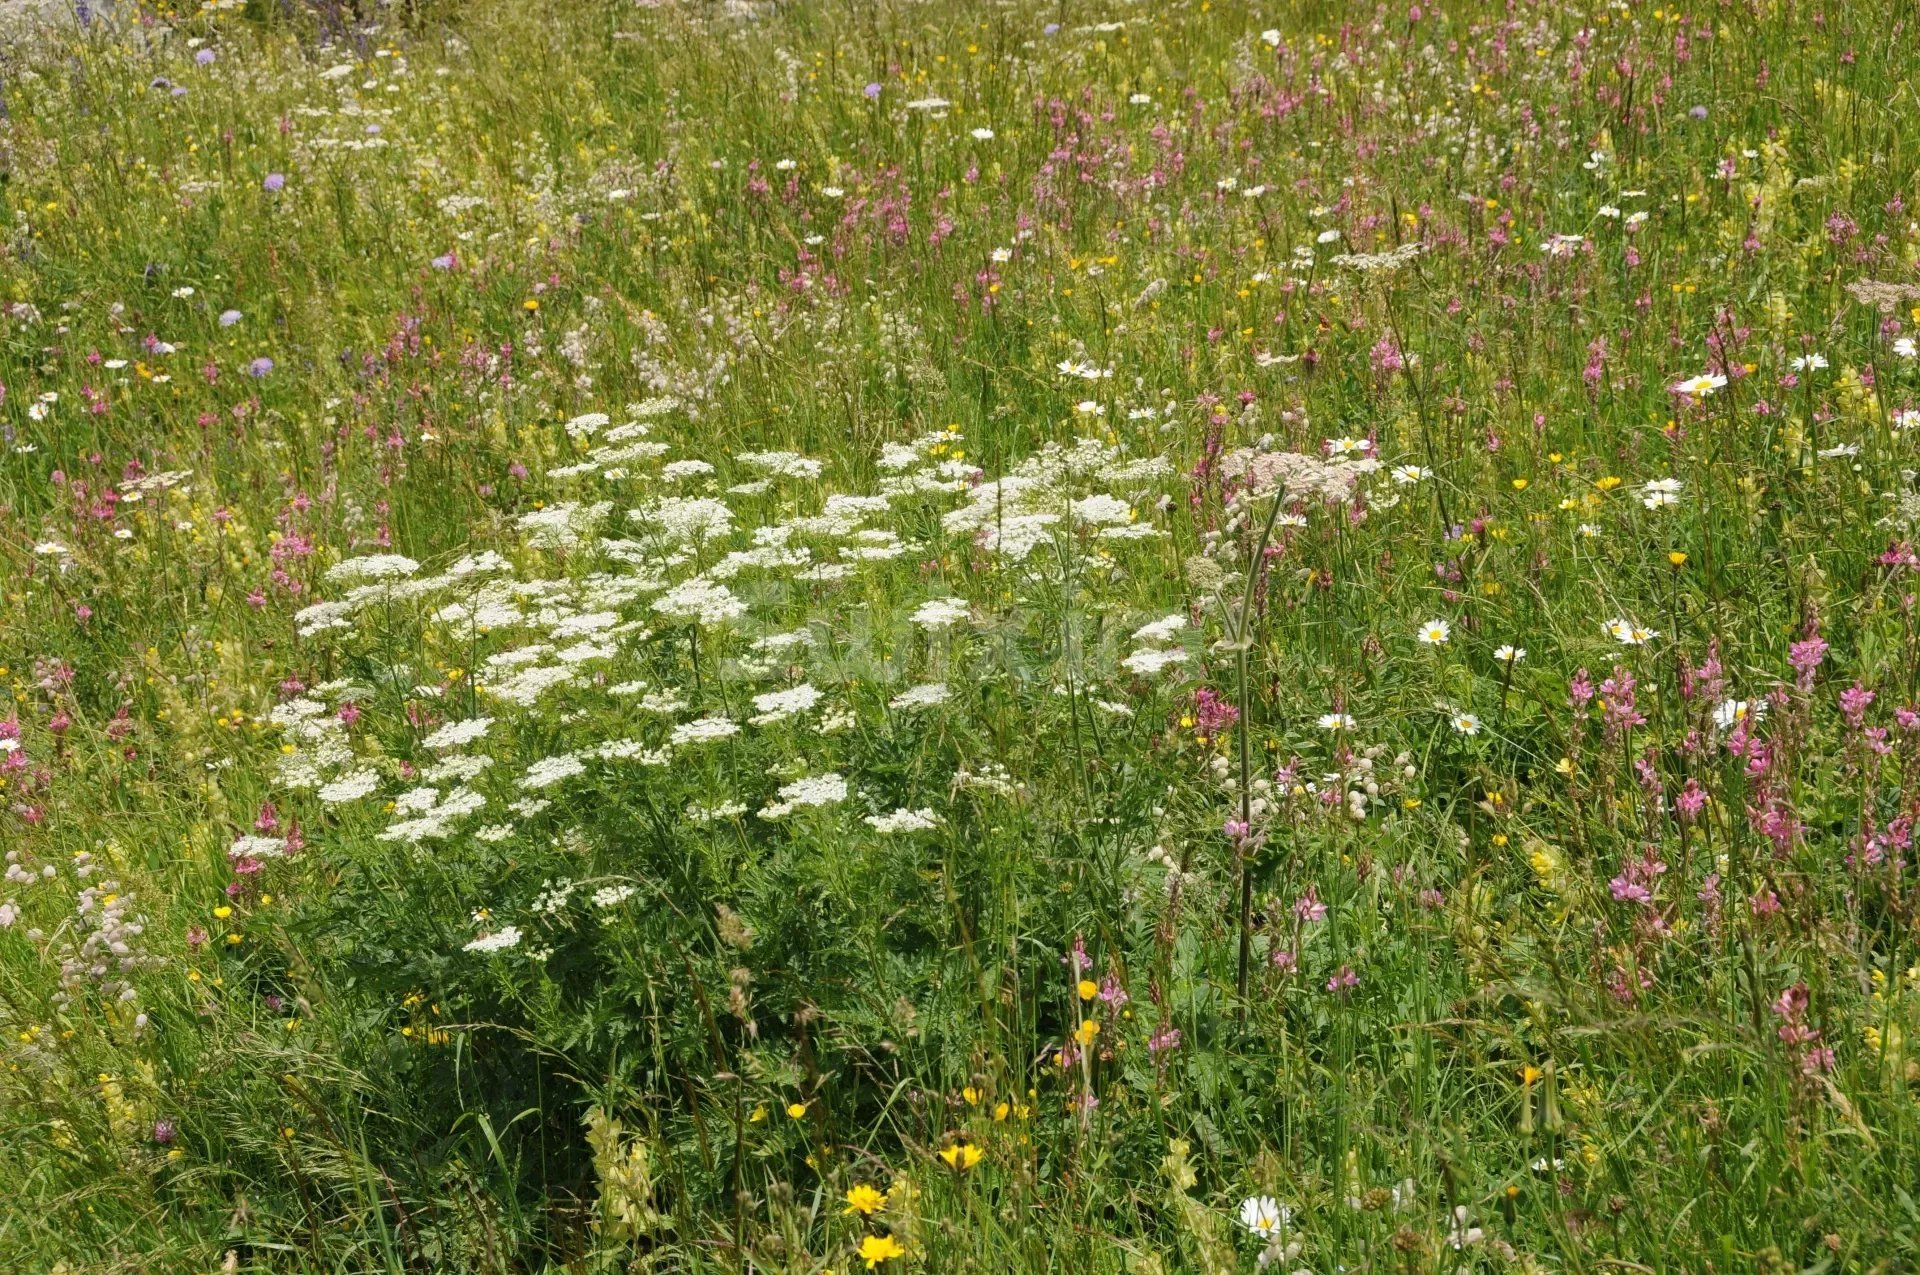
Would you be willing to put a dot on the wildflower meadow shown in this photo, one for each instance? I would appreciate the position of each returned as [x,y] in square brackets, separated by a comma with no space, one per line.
[1103,637]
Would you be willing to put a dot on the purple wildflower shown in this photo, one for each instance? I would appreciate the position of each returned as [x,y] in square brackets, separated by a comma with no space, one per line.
[1805,657]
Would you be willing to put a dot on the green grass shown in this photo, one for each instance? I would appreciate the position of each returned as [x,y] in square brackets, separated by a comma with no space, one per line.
[913,742]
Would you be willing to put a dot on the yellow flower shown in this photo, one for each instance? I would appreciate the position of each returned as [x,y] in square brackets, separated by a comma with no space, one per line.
[865,1200]
[961,1156]
[1529,1074]
[876,1249]
[796,1110]
[1085,1033]
[1677,558]
[1088,989]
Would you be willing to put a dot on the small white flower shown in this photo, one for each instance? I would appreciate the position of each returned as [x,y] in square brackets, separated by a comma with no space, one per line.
[1728,713]
[1435,633]
[1466,723]
[1661,493]
[1336,721]
[1700,386]
[1462,1233]
[1263,1216]
[1627,633]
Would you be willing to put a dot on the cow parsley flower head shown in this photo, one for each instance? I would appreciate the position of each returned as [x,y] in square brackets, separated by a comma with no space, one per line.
[458,734]
[778,706]
[926,696]
[373,568]
[1151,662]
[812,792]
[703,730]
[904,820]
[500,940]
[938,614]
